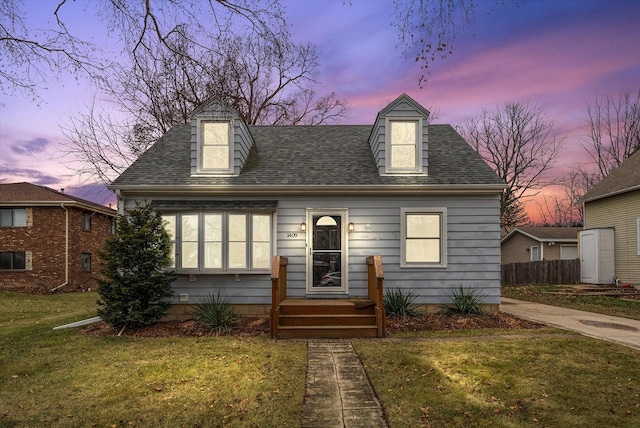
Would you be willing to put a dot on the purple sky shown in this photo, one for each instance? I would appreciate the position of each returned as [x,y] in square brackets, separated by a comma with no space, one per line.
[554,53]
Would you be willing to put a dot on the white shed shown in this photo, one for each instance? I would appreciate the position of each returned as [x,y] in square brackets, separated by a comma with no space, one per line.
[597,262]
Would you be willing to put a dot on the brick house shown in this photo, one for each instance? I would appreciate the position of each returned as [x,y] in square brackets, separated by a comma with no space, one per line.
[48,239]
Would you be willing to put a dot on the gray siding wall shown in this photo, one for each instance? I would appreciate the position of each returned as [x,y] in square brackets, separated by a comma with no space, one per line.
[473,249]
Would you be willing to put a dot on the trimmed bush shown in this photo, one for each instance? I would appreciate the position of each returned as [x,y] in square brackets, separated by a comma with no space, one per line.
[399,303]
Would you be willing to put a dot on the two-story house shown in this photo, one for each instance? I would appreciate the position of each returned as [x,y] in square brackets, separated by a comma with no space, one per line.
[49,240]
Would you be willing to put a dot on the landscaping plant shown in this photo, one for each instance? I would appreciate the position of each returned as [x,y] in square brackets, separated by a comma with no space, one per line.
[135,280]
[466,301]
[216,313]
[398,302]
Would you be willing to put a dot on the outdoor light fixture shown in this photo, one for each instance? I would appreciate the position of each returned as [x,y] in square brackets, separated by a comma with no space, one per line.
[351,227]
[303,227]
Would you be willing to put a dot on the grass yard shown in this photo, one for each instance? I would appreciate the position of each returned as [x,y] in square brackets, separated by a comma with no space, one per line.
[538,381]
[599,304]
[64,379]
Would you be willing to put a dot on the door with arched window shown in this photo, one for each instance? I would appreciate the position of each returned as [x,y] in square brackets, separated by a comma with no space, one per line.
[327,258]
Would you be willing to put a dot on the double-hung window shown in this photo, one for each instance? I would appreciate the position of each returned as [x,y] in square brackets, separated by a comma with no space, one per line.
[85,261]
[404,146]
[13,260]
[424,237]
[86,220]
[13,217]
[214,146]
[213,242]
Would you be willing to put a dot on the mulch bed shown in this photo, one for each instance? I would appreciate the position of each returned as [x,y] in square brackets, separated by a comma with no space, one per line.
[252,327]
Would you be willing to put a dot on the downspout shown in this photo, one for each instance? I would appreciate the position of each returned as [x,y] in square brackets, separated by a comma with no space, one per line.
[66,249]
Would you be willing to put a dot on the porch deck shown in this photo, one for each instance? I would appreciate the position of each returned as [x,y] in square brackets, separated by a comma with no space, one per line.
[331,318]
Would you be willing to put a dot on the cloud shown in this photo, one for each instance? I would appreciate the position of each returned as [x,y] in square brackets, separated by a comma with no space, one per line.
[36,145]
[11,174]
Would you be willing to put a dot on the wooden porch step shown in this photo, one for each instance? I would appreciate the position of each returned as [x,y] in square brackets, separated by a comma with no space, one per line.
[327,307]
[328,319]
[347,331]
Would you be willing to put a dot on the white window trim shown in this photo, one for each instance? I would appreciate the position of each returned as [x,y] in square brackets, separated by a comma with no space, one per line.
[419,145]
[442,211]
[177,256]
[200,142]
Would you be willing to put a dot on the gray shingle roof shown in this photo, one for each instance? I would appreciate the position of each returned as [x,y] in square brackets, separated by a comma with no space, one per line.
[309,155]
[624,178]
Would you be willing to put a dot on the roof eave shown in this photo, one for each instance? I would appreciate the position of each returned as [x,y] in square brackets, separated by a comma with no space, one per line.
[486,189]
[607,195]
[66,204]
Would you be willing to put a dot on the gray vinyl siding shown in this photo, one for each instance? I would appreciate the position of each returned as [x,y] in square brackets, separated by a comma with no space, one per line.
[473,245]
[473,249]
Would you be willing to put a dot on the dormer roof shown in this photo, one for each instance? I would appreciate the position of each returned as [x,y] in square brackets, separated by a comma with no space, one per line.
[409,104]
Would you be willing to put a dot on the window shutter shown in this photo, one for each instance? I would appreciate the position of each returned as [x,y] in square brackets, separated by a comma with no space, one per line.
[28,258]
[29,216]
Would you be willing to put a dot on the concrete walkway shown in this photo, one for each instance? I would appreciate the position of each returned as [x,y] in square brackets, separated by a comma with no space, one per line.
[338,391]
[606,327]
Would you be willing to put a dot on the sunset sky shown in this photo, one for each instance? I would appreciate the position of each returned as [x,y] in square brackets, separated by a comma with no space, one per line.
[553,53]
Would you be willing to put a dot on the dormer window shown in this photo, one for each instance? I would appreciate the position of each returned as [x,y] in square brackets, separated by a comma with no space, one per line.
[404,146]
[215,148]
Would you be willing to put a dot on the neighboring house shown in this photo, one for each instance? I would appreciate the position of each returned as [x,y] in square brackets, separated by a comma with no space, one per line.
[534,243]
[48,239]
[326,197]
[610,244]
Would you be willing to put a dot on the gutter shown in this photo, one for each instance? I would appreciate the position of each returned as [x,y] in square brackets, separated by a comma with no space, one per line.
[66,249]
[99,209]
[330,190]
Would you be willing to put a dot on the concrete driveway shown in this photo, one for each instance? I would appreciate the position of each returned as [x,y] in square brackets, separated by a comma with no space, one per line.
[606,327]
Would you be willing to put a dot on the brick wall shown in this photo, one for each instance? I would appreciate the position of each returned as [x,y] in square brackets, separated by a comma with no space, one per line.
[45,239]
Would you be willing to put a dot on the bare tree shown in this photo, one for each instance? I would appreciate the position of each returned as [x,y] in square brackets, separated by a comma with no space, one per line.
[614,129]
[266,81]
[28,57]
[519,145]
[427,29]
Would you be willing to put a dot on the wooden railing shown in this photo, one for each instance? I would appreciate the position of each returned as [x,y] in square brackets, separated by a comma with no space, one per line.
[278,291]
[375,283]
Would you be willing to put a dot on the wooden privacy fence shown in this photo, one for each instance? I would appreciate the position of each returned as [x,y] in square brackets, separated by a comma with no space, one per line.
[542,272]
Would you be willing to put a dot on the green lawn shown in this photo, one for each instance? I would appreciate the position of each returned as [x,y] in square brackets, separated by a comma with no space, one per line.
[482,378]
[599,304]
[539,381]
[64,379]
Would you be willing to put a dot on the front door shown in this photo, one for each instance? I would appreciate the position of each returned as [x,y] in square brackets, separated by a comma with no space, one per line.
[326,270]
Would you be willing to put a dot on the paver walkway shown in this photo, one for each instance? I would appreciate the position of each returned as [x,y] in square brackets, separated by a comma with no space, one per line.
[338,391]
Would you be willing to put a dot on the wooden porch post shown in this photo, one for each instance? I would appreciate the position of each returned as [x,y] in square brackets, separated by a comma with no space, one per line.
[375,284]
[278,291]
